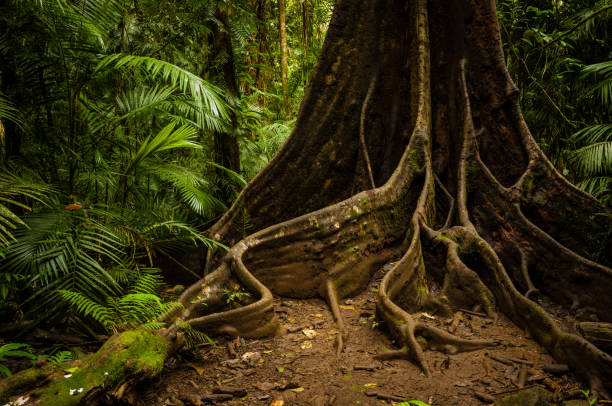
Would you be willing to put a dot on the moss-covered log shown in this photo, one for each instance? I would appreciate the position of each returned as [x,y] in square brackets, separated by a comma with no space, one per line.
[103,377]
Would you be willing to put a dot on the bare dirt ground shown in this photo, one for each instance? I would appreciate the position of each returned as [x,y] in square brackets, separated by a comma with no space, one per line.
[300,367]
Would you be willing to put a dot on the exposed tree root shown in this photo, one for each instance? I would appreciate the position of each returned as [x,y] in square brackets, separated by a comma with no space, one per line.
[531,289]
[332,300]
[504,216]
[364,147]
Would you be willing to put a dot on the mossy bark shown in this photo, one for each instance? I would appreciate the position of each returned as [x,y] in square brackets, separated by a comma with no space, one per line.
[124,359]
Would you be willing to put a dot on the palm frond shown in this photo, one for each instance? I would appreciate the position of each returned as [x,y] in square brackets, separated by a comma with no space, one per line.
[9,112]
[13,192]
[602,74]
[189,232]
[598,186]
[142,99]
[205,94]
[593,159]
[167,138]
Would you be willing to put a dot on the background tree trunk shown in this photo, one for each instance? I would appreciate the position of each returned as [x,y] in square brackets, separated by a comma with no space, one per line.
[227,153]
[282,16]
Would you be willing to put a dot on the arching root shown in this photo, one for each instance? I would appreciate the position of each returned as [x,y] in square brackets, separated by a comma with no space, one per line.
[531,289]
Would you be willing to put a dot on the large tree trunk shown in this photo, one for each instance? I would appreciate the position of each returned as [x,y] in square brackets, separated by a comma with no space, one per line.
[420,91]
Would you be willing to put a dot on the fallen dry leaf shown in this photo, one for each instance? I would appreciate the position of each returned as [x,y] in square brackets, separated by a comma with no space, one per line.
[310,333]
[198,368]
[277,402]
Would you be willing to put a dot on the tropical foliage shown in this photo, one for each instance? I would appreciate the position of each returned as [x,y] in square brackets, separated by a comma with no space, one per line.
[559,55]
[112,117]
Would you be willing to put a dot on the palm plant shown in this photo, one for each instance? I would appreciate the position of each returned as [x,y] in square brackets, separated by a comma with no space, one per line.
[14,195]
[592,157]
[14,191]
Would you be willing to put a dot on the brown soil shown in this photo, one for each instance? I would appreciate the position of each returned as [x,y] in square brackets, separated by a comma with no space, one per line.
[306,371]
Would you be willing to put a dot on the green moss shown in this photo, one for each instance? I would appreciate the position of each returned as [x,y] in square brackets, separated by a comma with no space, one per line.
[366,204]
[529,397]
[134,352]
[21,380]
[448,237]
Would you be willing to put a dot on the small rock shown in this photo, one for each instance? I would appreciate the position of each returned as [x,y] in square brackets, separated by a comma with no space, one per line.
[535,396]
[190,399]
[251,358]
[232,363]
[265,386]
[484,397]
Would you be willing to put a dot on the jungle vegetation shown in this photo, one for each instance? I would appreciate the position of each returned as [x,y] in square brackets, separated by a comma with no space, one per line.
[128,132]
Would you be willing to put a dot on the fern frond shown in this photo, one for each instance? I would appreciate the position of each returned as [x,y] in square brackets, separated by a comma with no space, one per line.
[191,187]
[87,307]
[192,336]
[147,283]
[152,325]
[61,357]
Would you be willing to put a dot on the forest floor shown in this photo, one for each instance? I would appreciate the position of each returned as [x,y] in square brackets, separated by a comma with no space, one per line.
[300,367]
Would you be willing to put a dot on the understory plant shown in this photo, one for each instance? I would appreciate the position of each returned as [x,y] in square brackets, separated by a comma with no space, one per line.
[138,307]
[15,350]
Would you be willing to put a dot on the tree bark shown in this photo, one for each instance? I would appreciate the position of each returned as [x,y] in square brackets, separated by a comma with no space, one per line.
[464,194]
[305,38]
[227,152]
[282,17]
